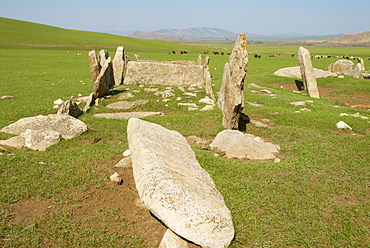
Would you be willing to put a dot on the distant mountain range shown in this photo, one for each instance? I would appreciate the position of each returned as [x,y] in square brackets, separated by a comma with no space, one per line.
[205,33]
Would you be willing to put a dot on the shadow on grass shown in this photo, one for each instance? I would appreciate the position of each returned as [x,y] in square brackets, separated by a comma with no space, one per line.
[299,84]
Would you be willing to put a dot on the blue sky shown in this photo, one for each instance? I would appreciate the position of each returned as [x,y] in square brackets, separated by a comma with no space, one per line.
[308,17]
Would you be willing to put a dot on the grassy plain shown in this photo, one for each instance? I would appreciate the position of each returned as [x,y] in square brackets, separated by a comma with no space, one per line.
[317,196]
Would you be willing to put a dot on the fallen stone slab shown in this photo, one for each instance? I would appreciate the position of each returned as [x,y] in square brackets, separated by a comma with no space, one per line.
[175,188]
[295,72]
[227,140]
[68,126]
[127,115]
[126,104]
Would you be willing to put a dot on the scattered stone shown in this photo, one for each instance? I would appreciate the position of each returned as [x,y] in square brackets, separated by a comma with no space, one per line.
[231,96]
[116,178]
[171,240]
[165,94]
[258,105]
[71,108]
[151,89]
[343,125]
[192,109]
[175,188]
[207,107]
[125,95]
[190,94]
[306,110]
[300,103]
[6,97]
[207,100]
[68,126]
[127,115]
[124,163]
[258,123]
[126,104]
[127,153]
[242,152]
[188,104]
[307,72]
[58,102]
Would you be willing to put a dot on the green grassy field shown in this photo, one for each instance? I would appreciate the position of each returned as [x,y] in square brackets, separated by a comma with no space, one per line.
[317,196]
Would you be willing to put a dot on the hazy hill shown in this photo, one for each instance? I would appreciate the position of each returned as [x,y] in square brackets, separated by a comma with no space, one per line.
[200,33]
[351,38]
[22,34]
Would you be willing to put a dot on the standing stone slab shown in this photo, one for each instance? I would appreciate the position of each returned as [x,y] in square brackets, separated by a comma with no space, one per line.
[175,188]
[104,82]
[307,72]
[94,65]
[119,65]
[231,96]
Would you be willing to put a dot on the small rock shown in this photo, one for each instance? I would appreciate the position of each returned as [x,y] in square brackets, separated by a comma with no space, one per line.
[58,102]
[188,104]
[6,97]
[124,163]
[300,103]
[116,178]
[127,153]
[171,240]
[343,125]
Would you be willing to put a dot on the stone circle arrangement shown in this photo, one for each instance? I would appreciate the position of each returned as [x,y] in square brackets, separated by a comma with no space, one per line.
[170,181]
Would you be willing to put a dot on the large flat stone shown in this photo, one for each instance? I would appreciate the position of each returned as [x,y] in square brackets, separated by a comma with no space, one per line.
[68,126]
[175,188]
[227,140]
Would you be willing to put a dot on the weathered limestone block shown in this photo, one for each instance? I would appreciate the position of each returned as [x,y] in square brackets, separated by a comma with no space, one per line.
[175,188]
[71,108]
[164,73]
[68,126]
[307,72]
[341,66]
[94,65]
[231,96]
[119,65]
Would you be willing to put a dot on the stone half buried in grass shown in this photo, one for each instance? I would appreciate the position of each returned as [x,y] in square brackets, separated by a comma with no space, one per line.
[243,146]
